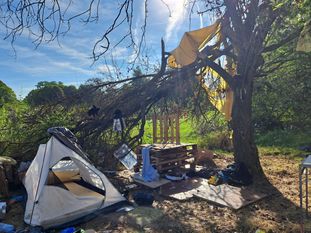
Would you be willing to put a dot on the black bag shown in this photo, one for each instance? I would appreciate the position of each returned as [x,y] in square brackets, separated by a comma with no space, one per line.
[238,175]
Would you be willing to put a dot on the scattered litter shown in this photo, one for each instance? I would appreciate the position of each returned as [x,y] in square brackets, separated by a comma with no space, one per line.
[6,228]
[2,210]
[17,198]
[125,209]
[131,186]
[111,173]
[235,174]
[68,230]
[175,178]
[214,180]
[202,173]
[126,156]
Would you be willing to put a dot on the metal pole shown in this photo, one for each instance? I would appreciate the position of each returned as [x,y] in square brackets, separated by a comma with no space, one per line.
[307,194]
[300,184]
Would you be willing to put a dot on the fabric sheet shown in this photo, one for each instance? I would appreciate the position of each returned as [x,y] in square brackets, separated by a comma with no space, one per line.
[149,173]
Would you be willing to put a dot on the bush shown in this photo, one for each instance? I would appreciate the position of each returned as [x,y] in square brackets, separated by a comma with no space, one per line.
[216,140]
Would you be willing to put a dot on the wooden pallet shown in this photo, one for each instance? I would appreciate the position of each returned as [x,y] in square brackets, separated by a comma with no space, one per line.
[170,156]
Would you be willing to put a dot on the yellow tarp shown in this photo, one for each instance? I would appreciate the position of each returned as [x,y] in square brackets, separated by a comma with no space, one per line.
[191,44]
[220,95]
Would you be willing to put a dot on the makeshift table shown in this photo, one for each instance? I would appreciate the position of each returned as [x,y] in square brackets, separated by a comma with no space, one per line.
[304,171]
[168,156]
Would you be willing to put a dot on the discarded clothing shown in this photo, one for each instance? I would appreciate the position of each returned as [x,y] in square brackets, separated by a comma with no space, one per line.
[149,173]
[236,174]
[118,121]
[203,173]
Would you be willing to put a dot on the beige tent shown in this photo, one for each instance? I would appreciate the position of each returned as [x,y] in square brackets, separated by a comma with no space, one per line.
[62,186]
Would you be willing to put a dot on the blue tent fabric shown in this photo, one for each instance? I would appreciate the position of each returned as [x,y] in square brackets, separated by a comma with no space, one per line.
[149,173]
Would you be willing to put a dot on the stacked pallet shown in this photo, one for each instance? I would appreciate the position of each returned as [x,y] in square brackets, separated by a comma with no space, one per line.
[170,156]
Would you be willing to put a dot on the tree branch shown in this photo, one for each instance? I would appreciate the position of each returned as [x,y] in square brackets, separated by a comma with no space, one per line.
[284,41]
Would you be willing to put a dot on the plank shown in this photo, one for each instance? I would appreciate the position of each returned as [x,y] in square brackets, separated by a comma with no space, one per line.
[154,123]
[177,129]
[153,184]
[229,196]
[224,194]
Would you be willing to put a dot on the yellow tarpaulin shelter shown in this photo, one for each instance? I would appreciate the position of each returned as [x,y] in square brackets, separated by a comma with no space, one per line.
[219,92]
[191,44]
[188,51]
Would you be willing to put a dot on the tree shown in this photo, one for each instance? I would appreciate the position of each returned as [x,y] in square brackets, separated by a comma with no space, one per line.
[246,26]
[281,90]
[50,93]
[7,95]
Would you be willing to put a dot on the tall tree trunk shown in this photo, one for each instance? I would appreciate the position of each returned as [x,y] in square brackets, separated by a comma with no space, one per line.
[245,149]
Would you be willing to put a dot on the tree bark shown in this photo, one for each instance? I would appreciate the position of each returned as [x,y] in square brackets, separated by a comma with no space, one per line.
[245,149]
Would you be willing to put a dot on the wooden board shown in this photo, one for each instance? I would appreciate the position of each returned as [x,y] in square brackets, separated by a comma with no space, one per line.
[153,184]
[224,195]
[229,196]
[181,190]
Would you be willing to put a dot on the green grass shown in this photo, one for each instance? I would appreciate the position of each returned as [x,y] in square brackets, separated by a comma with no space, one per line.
[284,138]
[279,142]
[283,142]
[187,132]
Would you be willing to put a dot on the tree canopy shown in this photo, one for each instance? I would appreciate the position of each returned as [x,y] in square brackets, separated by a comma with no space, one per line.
[50,93]
[7,95]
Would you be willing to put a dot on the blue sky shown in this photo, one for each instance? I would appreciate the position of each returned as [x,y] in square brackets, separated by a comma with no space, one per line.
[69,59]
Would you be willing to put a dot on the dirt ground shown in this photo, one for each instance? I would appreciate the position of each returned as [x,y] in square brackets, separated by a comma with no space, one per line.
[279,212]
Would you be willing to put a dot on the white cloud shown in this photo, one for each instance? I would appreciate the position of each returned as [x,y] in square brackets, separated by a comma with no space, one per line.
[106,69]
[66,66]
[119,52]
[71,52]
[178,13]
